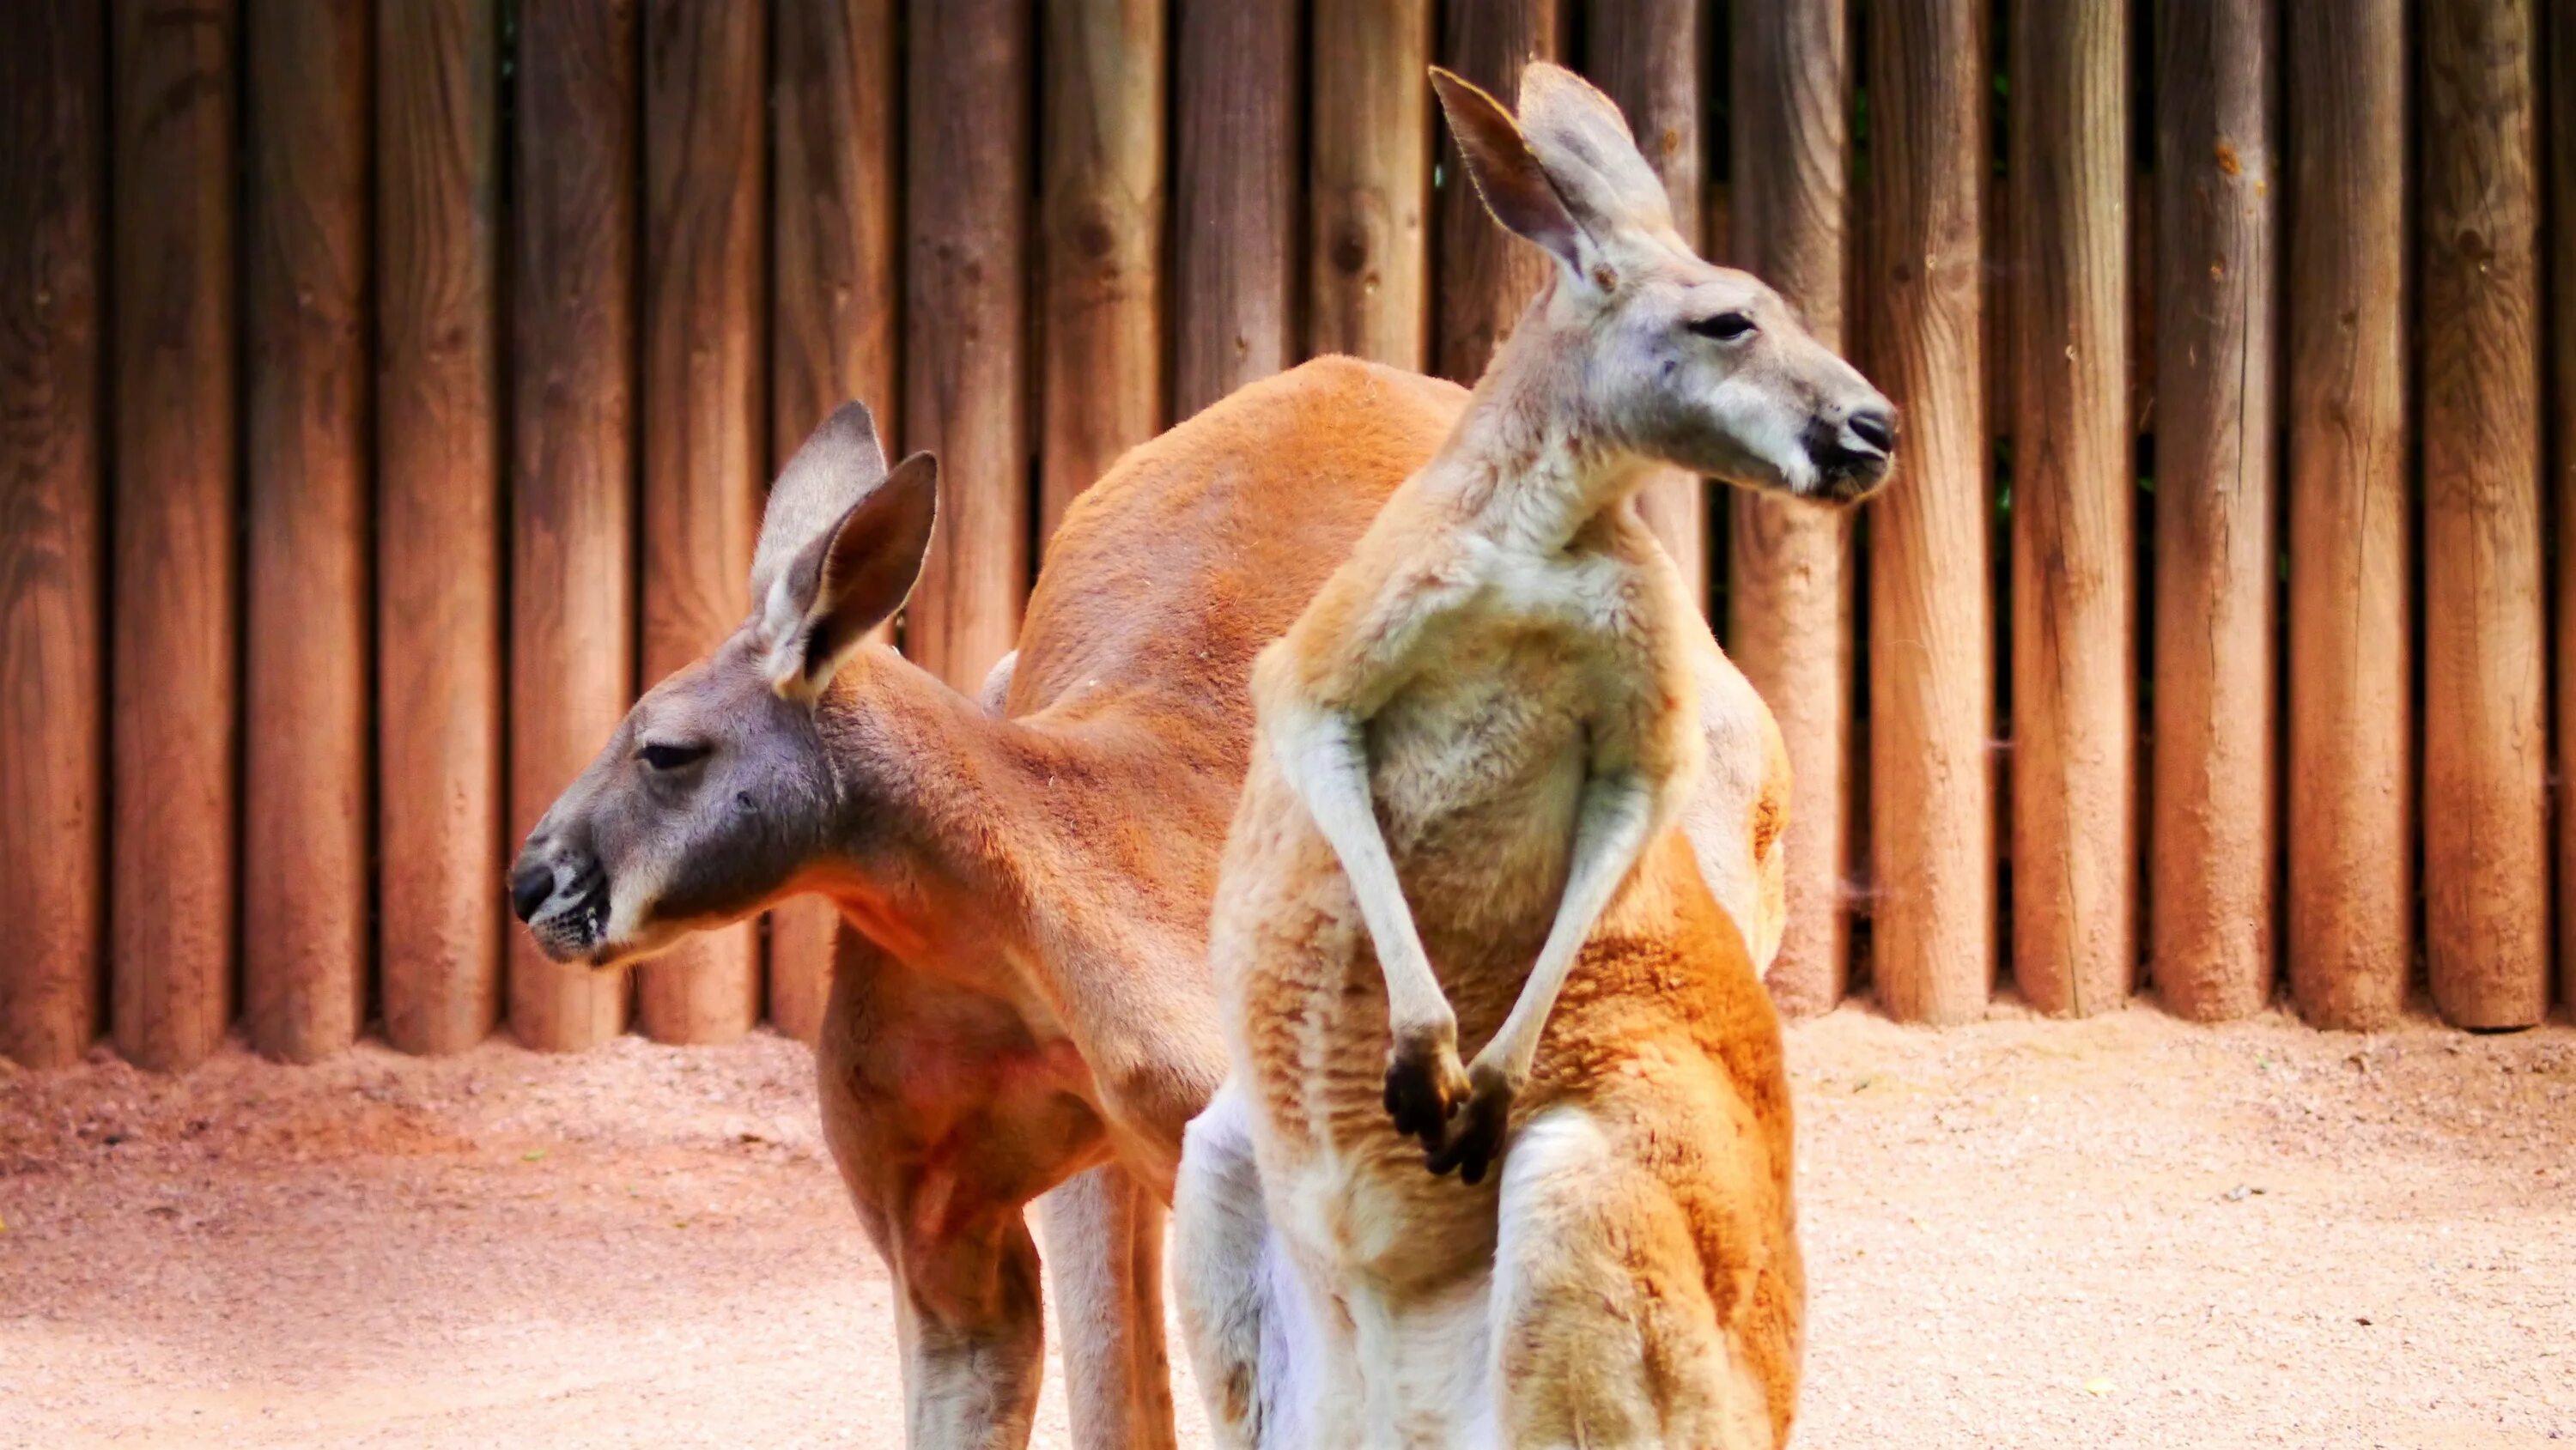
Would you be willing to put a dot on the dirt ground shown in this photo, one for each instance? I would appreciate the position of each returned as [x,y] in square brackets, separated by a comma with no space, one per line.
[2126,1232]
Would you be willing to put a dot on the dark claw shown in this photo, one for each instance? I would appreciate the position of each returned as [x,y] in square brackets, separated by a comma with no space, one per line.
[1476,1138]
[1414,1098]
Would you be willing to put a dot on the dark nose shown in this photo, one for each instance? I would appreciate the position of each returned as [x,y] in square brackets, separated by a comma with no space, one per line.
[1875,427]
[530,885]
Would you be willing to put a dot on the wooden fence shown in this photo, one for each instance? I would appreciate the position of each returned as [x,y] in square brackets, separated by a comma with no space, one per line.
[387,390]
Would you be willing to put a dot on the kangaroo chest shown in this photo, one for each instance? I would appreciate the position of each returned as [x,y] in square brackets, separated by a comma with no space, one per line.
[1479,756]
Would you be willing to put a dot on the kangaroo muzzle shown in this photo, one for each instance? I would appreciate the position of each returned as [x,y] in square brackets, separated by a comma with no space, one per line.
[562,895]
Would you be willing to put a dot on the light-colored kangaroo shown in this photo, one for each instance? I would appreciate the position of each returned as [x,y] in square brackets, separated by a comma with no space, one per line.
[1028,1011]
[1472,749]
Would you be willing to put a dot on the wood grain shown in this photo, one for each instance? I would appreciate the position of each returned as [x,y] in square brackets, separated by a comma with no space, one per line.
[53,178]
[2210,890]
[705,437]
[1368,208]
[1101,242]
[438,537]
[965,363]
[2486,729]
[305,886]
[1645,54]
[1234,197]
[2350,831]
[572,459]
[2562,262]
[1790,583]
[2074,687]
[1485,275]
[173,634]
[1931,610]
[832,319]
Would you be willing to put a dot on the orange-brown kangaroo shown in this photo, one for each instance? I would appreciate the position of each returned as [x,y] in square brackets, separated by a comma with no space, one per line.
[1028,1015]
[1460,821]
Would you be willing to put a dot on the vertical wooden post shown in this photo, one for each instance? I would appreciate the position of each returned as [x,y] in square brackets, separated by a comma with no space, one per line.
[1485,275]
[832,318]
[2074,691]
[1102,241]
[304,798]
[1234,202]
[2210,882]
[705,120]
[2562,231]
[2486,732]
[53,101]
[572,631]
[1791,587]
[171,870]
[1368,252]
[2350,833]
[1645,55]
[965,358]
[1931,613]
[438,538]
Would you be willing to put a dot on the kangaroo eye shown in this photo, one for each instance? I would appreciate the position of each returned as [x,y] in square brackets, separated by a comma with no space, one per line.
[1725,326]
[668,758]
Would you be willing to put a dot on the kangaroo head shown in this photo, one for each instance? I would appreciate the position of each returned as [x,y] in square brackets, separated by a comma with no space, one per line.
[1672,357]
[717,790]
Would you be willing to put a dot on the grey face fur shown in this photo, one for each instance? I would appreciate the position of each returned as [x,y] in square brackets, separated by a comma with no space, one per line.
[1676,358]
[716,792]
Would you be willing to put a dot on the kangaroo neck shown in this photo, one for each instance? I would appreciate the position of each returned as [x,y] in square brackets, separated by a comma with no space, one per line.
[1531,468]
[927,851]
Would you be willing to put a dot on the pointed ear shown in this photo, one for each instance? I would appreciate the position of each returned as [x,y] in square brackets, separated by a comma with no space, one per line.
[851,579]
[1515,188]
[833,470]
[1584,146]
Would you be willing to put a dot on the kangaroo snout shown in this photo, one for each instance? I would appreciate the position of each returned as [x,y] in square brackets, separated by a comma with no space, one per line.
[561,895]
[531,883]
[1853,448]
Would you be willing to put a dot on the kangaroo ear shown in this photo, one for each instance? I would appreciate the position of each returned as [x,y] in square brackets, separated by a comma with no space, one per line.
[1584,146]
[1515,187]
[833,470]
[851,579]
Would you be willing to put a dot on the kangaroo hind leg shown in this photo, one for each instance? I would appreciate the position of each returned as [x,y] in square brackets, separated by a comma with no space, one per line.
[1606,1332]
[1241,1310]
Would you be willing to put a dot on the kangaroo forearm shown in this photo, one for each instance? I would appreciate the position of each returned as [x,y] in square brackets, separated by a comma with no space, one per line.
[1323,757]
[1612,826]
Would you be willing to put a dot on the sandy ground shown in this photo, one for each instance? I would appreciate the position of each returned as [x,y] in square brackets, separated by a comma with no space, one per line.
[2125,1232]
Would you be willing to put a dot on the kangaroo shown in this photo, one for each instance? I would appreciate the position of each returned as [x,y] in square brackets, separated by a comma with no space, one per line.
[1471,751]
[1025,1013]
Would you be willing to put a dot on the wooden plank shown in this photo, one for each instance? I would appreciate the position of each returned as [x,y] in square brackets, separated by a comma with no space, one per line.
[1931,611]
[1234,197]
[2350,832]
[572,618]
[1790,582]
[305,810]
[173,635]
[438,536]
[2217,248]
[832,316]
[705,442]
[1368,240]
[1645,54]
[965,373]
[1101,243]
[2562,232]
[53,101]
[1485,275]
[2074,688]
[2486,729]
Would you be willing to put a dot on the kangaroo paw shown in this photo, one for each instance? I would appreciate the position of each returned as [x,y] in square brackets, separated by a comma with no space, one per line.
[1424,1083]
[1475,1136]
